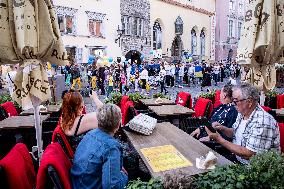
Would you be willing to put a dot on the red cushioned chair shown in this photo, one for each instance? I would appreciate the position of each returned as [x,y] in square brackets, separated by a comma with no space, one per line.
[60,137]
[265,108]
[217,99]
[54,169]
[184,99]
[17,169]
[281,131]
[10,108]
[123,100]
[128,112]
[280,101]
[203,108]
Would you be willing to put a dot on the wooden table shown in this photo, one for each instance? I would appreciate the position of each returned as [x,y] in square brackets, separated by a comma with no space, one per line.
[49,110]
[170,110]
[167,134]
[152,102]
[15,122]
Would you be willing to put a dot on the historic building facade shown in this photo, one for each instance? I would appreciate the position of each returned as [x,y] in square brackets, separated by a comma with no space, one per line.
[89,28]
[229,22]
[179,26]
[135,34]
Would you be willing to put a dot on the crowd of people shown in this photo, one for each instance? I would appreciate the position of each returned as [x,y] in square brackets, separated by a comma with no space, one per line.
[123,77]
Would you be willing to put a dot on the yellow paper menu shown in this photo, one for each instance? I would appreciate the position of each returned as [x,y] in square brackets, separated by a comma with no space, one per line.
[163,158]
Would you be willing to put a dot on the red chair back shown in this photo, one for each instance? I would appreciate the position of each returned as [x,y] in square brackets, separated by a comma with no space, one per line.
[54,156]
[123,101]
[126,117]
[184,99]
[265,108]
[203,107]
[281,131]
[18,168]
[217,101]
[10,108]
[60,137]
[280,101]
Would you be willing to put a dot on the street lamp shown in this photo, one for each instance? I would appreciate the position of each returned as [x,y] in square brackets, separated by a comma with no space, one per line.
[119,34]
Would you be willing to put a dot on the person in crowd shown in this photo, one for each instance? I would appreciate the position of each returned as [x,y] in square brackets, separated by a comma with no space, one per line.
[110,84]
[73,122]
[101,79]
[98,159]
[191,74]
[206,81]
[144,77]
[176,74]
[172,75]
[162,75]
[254,131]
[180,75]
[94,77]
[10,77]
[76,76]
[225,114]
[216,73]
[123,82]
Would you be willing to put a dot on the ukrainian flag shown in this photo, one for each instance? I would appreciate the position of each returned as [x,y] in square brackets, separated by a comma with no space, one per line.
[198,71]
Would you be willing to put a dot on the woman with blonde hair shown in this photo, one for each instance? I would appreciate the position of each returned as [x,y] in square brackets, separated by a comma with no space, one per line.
[74,123]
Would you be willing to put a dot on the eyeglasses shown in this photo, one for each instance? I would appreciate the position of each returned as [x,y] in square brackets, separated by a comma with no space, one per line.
[236,101]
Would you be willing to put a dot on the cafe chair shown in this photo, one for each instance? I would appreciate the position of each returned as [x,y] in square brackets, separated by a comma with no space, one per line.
[123,101]
[17,169]
[203,108]
[128,112]
[60,137]
[217,101]
[54,169]
[184,99]
[281,131]
[280,101]
[10,108]
[270,111]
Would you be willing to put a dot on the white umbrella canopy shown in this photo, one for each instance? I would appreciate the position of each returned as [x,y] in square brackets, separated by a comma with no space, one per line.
[30,36]
[262,42]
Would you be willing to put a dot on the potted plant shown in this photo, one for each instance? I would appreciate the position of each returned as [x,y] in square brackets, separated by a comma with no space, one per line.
[135,97]
[271,99]
[154,183]
[115,98]
[209,95]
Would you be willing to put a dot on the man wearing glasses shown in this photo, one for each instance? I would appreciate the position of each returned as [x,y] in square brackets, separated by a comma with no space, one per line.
[254,131]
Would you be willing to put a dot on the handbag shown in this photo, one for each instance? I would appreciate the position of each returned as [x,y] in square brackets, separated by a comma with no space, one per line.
[143,124]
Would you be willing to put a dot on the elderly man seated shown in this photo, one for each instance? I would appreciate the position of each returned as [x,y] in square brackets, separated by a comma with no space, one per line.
[254,131]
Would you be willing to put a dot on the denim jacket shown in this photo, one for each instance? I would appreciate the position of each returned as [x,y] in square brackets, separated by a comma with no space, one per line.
[98,162]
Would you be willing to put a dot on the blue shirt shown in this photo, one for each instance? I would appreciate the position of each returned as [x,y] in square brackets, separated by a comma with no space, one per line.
[98,162]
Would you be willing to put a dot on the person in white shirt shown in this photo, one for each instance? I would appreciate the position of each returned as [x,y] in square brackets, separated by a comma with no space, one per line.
[172,75]
[168,73]
[10,77]
[144,79]
[181,74]
[191,74]
[162,75]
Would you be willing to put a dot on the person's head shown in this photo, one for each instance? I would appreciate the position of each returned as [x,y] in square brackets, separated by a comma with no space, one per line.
[109,118]
[245,98]
[72,107]
[226,95]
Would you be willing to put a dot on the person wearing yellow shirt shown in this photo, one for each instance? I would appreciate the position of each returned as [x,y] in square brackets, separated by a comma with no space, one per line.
[110,85]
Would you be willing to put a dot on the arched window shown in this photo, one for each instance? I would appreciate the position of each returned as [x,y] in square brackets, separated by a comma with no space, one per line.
[157,36]
[193,42]
[202,43]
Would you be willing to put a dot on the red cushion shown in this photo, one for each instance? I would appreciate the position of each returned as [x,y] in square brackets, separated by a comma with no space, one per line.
[200,107]
[124,99]
[10,108]
[217,101]
[281,131]
[280,101]
[184,99]
[58,131]
[55,156]
[18,168]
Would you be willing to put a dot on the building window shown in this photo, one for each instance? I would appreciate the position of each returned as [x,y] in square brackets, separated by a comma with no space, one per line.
[240,8]
[128,26]
[239,29]
[135,26]
[140,27]
[231,5]
[179,26]
[193,42]
[157,36]
[132,26]
[95,27]
[66,24]
[230,28]
[202,43]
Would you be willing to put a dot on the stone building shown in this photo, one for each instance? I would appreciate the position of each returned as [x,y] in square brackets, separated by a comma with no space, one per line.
[229,21]
[89,28]
[135,38]
[179,26]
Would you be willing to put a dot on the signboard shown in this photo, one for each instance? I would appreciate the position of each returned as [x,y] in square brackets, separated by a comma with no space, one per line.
[163,158]
[213,26]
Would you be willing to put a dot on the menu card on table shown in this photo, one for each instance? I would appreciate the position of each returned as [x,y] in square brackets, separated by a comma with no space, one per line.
[163,158]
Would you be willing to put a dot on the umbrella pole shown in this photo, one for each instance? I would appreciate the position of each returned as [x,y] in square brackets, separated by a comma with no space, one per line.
[38,131]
